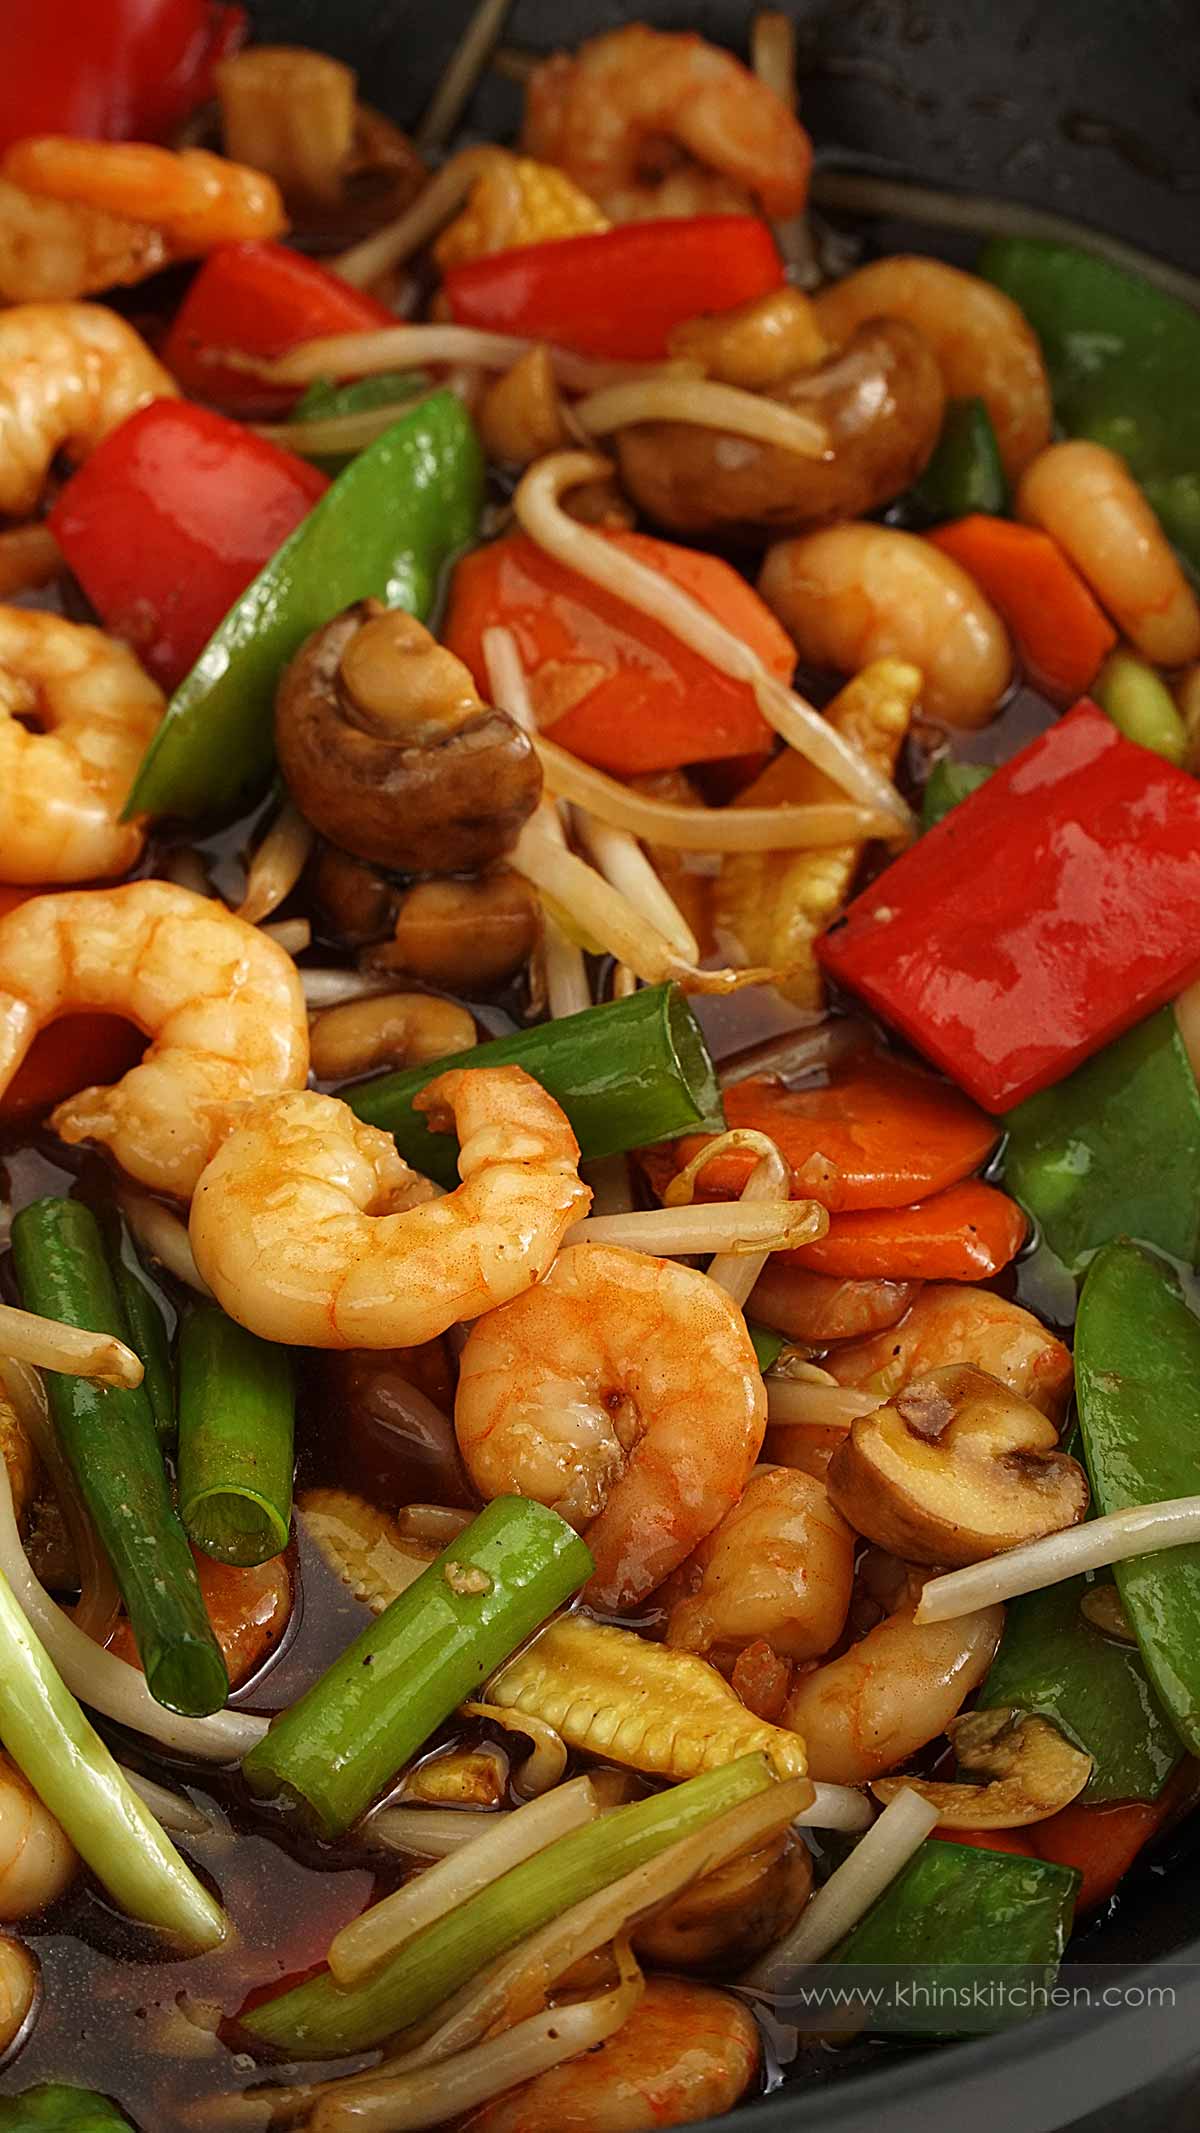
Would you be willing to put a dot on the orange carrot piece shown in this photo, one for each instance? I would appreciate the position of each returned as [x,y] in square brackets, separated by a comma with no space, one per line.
[1017,1841]
[1062,633]
[966,1233]
[877,1134]
[248,1610]
[608,683]
[1103,1842]
[71,1054]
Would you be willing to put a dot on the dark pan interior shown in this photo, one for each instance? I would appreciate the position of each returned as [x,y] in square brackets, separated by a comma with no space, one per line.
[1090,108]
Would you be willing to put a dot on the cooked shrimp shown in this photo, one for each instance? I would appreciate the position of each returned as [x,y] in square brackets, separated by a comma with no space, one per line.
[221,1003]
[780,1567]
[891,1693]
[69,373]
[19,1977]
[295,1224]
[686,2052]
[825,1307]
[653,122]
[37,1858]
[195,199]
[62,787]
[950,1323]
[858,592]
[984,345]
[1086,497]
[625,1393]
[50,249]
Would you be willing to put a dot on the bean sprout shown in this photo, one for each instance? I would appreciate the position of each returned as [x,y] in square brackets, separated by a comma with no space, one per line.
[625,866]
[737,1274]
[705,829]
[736,1227]
[567,989]
[50,1345]
[816,1406]
[541,1771]
[709,406]
[277,865]
[461,78]
[99,1601]
[1142,1529]
[848,1894]
[164,1236]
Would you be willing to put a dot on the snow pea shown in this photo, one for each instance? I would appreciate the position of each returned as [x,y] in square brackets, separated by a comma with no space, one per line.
[1123,359]
[386,526]
[948,783]
[1137,1377]
[957,1916]
[57,2107]
[1114,1150]
[965,472]
[324,401]
[1053,1662]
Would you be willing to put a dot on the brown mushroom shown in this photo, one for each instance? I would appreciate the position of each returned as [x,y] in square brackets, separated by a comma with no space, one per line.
[355,903]
[389,752]
[881,399]
[727,1918]
[956,1467]
[1032,1771]
[521,416]
[466,936]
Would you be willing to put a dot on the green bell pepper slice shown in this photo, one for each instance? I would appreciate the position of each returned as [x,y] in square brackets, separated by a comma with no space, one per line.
[1137,1379]
[948,783]
[57,2107]
[1054,1663]
[1114,1150]
[957,1916]
[965,472]
[387,526]
[1123,359]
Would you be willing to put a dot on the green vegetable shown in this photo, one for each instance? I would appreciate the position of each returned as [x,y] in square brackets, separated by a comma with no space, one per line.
[948,783]
[957,1915]
[320,2019]
[1137,1380]
[69,1767]
[768,1346]
[626,1074]
[1123,361]
[55,2107]
[237,1411]
[1114,1150]
[965,473]
[387,526]
[147,1334]
[1141,705]
[482,1597]
[324,401]
[1052,1662]
[108,1435]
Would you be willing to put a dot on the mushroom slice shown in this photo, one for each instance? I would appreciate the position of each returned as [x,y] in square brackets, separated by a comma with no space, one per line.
[1031,1768]
[389,752]
[955,1468]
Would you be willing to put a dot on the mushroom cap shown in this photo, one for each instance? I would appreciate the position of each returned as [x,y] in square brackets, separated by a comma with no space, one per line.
[954,1468]
[882,401]
[388,751]
[1032,1770]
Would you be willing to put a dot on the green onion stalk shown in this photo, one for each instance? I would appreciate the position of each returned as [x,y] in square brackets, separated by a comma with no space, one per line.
[627,1073]
[237,1409]
[321,2019]
[65,1760]
[336,1749]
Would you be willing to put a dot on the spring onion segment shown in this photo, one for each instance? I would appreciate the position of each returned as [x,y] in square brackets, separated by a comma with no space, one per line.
[505,1841]
[627,1073]
[70,1768]
[850,1891]
[320,2019]
[438,1641]
[1142,1530]
[109,1436]
[148,1334]
[237,1409]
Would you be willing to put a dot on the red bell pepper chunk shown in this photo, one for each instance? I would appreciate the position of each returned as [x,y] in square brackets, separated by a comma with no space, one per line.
[1052,909]
[110,70]
[170,519]
[618,292]
[613,686]
[259,299]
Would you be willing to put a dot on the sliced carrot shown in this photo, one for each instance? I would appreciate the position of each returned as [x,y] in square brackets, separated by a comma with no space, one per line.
[877,1134]
[966,1233]
[1062,633]
[608,683]
[71,1054]
[1103,1842]
[248,1610]
[824,1307]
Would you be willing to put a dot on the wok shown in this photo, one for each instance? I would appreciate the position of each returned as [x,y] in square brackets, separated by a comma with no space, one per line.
[1090,108]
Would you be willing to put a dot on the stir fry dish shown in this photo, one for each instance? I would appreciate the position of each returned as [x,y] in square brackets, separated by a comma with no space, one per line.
[599,1128]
